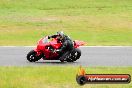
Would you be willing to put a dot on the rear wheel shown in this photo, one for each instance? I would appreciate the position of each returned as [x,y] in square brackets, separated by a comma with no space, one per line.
[70,60]
[32,56]
[62,61]
[76,54]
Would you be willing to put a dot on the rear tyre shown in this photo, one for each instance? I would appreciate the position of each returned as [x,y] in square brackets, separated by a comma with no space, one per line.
[69,59]
[32,56]
[76,54]
[62,61]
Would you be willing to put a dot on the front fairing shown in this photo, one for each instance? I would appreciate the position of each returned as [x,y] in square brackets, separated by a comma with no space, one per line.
[42,47]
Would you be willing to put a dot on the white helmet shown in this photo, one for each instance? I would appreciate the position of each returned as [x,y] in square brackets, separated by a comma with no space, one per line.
[60,34]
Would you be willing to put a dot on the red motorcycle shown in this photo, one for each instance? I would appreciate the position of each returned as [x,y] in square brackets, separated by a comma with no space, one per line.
[46,50]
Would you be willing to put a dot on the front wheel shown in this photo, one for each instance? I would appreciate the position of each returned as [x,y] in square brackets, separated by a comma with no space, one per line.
[32,56]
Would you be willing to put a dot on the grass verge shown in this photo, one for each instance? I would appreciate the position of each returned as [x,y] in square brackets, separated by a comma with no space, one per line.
[98,22]
[55,77]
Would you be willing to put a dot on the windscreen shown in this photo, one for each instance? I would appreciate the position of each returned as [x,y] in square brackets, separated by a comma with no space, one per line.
[45,40]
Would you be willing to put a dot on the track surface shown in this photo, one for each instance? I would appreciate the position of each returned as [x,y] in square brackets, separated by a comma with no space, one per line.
[91,56]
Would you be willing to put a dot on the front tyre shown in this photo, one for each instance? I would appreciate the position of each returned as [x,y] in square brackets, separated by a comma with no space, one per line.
[32,56]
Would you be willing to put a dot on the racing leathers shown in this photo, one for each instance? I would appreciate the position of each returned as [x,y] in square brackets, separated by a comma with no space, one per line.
[66,48]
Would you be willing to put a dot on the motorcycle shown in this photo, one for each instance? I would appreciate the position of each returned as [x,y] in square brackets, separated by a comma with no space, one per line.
[47,50]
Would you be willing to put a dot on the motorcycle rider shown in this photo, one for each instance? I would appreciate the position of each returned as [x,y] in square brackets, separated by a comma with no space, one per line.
[67,44]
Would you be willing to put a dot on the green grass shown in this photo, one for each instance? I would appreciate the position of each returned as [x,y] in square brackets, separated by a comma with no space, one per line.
[97,22]
[55,77]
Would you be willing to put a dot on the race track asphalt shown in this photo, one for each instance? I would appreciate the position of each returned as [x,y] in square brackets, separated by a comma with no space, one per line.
[91,56]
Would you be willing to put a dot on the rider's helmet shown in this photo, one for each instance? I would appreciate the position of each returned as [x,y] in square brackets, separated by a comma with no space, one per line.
[60,35]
